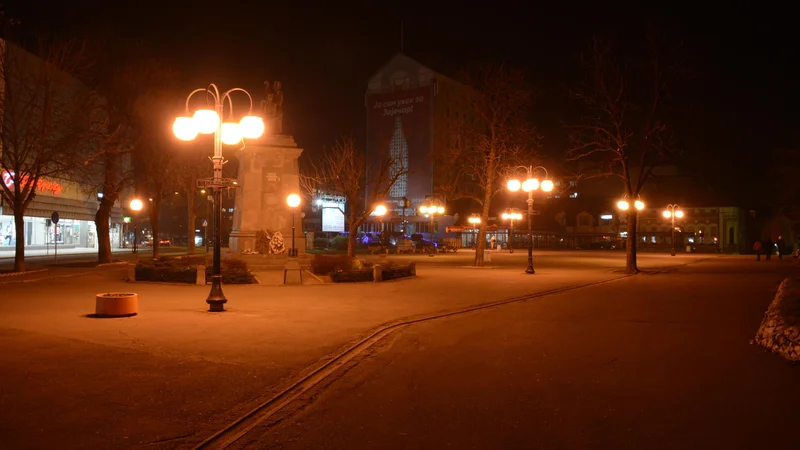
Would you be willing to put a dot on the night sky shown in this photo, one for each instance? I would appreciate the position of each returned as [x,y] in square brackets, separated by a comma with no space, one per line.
[740,104]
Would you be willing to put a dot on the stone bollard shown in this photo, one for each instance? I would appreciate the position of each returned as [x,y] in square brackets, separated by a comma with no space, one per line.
[487,257]
[377,273]
[412,268]
[201,276]
[131,272]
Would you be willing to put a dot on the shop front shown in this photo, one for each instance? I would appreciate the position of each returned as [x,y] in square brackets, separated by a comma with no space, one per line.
[75,228]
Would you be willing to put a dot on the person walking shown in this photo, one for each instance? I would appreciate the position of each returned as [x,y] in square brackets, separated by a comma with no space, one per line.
[780,248]
[757,250]
[769,249]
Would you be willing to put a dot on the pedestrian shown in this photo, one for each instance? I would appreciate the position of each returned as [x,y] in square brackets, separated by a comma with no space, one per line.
[780,248]
[769,248]
[757,250]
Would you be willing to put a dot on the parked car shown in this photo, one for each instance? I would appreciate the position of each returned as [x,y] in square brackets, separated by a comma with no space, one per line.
[165,242]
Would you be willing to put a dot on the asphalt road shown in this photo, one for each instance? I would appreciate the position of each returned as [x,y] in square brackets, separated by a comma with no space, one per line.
[659,361]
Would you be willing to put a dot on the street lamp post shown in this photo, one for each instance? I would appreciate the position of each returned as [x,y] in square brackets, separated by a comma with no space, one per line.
[475,220]
[511,214]
[380,211]
[293,200]
[432,210]
[625,206]
[529,185]
[208,121]
[136,206]
[672,212]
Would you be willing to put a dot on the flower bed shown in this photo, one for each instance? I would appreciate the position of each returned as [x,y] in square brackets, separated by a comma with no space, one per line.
[183,269]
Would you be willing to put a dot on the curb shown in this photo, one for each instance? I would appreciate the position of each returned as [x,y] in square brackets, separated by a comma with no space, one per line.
[15,274]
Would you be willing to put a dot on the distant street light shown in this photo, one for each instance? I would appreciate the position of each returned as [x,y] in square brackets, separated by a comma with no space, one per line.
[672,212]
[136,206]
[624,206]
[208,121]
[529,185]
[380,211]
[293,200]
[511,214]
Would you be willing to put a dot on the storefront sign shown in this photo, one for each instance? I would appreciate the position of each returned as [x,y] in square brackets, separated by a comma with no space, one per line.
[42,185]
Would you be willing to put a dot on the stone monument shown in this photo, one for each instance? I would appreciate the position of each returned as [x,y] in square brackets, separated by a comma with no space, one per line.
[268,173]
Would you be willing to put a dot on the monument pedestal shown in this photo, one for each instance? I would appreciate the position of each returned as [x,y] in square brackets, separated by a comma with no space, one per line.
[268,173]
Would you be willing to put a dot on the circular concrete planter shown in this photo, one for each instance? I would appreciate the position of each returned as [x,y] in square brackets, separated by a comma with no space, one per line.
[116,304]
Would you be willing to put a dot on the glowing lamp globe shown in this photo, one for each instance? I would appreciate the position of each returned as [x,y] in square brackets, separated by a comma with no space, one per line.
[531,184]
[231,133]
[667,214]
[639,205]
[679,214]
[293,200]
[547,185]
[184,128]
[423,209]
[513,185]
[504,216]
[380,210]
[440,210]
[136,204]
[206,121]
[623,205]
[252,127]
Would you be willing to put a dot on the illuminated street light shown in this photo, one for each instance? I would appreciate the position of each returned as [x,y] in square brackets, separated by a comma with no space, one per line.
[136,206]
[511,214]
[673,212]
[380,211]
[529,185]
[432,210]
[208,121]
[293,200]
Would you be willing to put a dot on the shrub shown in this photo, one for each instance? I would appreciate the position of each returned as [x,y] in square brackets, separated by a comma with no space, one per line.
[327,264]
[321,243]
[339,242]
[184,270]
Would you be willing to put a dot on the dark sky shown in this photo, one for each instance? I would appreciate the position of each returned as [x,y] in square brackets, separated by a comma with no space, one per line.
[743,93]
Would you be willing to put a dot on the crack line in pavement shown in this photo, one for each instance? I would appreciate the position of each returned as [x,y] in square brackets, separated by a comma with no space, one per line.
[240,427]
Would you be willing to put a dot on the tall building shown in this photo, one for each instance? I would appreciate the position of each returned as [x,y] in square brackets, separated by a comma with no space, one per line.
[409,108]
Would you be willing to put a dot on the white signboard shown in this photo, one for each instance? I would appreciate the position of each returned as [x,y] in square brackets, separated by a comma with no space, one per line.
[333,217]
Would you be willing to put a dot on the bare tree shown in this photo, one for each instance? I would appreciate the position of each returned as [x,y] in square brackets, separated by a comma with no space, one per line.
[490,137]
[190,166]
[47,116]
[342,170]
[624,131]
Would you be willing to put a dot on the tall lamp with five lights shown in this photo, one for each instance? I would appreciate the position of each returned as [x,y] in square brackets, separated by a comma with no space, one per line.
[210,121]
[529,185]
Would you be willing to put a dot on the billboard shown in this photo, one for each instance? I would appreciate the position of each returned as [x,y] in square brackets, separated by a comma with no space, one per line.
[399,123]
[332,216]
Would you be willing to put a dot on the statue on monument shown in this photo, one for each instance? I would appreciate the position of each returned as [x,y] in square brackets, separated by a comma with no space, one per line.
[273,106]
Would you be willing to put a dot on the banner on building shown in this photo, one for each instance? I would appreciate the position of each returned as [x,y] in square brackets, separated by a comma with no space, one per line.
[399,125]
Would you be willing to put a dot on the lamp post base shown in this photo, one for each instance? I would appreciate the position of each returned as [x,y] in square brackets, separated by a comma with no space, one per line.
[216,299]
[530,270]
[672,252]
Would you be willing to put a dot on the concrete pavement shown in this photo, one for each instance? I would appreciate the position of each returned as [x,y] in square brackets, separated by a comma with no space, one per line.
[175,373]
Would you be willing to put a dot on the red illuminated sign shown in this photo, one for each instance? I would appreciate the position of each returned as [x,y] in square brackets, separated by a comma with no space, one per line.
[42,185]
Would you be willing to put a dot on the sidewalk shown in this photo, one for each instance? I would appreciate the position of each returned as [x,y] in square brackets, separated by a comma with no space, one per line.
[178,372]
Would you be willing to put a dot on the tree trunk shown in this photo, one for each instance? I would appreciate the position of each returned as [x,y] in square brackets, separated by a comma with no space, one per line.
[630,250]
[480,245]
[351,243]
[192,216]
[101,222]
[19,248]
[154,225]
